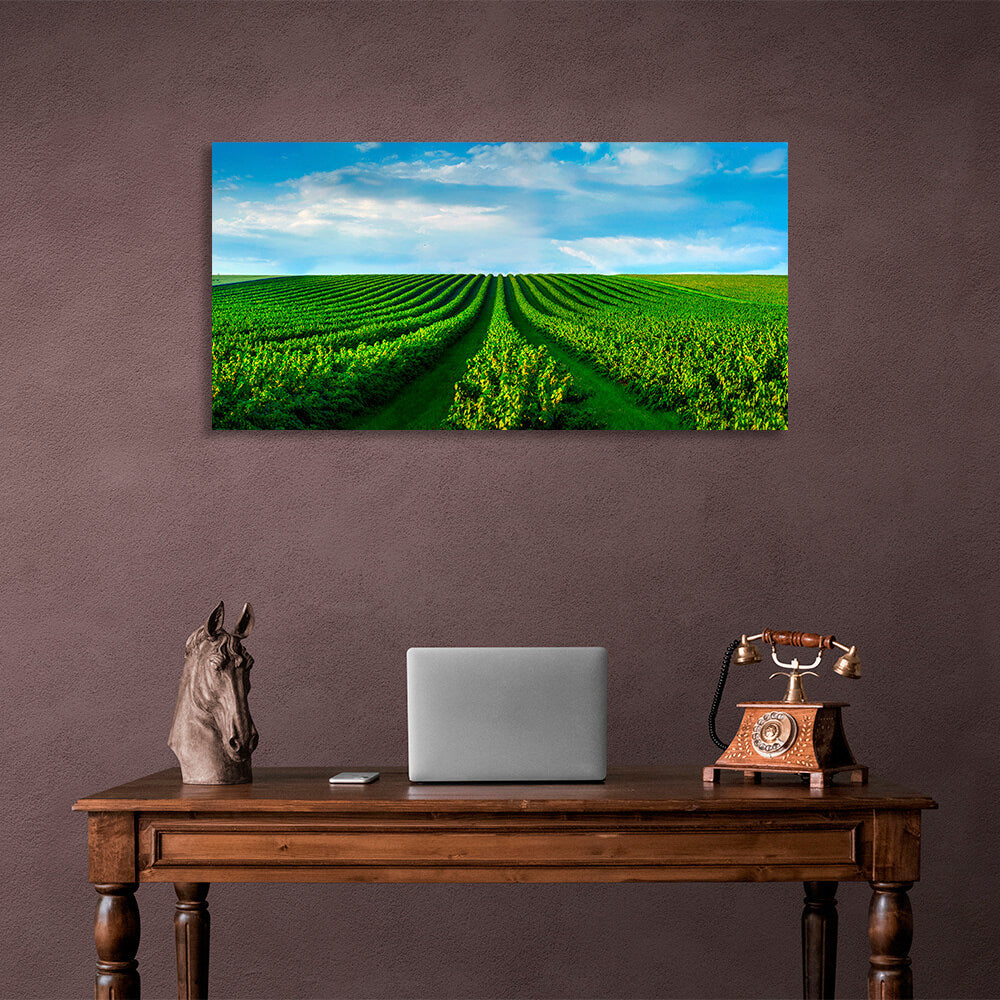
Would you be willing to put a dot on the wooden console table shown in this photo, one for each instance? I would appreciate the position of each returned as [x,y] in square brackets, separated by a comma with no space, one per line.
[644,824]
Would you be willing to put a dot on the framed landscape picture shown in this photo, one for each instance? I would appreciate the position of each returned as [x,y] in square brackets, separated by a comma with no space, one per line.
[515,285]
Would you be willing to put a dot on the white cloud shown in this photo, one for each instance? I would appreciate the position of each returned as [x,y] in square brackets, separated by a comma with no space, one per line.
[733,251]
[244,265]
[633,156]
[769,163]
[329,227]
[366,147]
[536,165]
[314,209]
[651,164]
[250,260]
[510,164]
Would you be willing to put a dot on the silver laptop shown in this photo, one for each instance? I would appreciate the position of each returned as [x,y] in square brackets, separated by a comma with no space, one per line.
[507,714]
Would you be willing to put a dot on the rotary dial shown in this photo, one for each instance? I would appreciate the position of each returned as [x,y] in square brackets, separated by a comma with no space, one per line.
[774,733]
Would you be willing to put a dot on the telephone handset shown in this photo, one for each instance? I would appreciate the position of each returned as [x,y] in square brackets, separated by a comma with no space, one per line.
[791,735]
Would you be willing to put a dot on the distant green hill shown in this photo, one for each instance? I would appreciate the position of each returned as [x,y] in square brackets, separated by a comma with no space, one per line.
[229,279]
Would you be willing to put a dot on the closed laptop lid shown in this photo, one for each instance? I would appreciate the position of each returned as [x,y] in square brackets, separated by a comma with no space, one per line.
[507,713]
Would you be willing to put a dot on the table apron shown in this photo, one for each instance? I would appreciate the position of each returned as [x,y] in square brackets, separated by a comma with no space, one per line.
[752,848]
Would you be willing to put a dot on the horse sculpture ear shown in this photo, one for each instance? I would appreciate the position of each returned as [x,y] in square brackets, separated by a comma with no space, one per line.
[214,623]
[245,625]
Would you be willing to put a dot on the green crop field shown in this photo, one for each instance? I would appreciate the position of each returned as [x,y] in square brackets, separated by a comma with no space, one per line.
[473,351]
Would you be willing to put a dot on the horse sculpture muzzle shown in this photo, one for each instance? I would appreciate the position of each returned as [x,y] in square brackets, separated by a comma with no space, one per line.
[240,749]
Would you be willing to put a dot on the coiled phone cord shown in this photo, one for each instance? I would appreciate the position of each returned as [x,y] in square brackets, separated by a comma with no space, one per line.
[727,660]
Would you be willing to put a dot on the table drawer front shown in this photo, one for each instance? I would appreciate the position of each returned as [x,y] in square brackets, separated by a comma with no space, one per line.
[185,845]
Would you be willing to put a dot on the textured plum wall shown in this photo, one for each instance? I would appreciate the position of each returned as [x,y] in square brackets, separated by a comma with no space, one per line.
[125,517]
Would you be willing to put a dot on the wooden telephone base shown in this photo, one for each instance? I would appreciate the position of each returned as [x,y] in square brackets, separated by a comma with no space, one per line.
[816,745]
[817,779]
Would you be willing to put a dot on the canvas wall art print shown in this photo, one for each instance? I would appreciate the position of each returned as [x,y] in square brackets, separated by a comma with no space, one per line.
[500,285]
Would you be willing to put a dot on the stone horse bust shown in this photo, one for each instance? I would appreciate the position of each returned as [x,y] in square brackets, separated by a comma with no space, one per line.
[213,735]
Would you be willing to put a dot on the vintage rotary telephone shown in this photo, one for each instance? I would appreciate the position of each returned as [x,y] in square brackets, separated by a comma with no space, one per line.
[792,735]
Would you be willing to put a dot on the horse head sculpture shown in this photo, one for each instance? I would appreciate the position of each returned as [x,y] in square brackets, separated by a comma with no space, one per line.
[213,735]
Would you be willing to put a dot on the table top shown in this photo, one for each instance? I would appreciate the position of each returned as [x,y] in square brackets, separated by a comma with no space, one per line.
[634,789]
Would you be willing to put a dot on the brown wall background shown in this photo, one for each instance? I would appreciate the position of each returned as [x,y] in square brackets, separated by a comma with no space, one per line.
[126,518]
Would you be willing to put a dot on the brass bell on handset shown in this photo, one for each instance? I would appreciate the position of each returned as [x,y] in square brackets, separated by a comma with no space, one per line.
[849,665]
[746,653]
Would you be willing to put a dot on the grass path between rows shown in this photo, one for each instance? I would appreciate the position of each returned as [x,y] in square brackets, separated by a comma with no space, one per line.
[612,404]
[425,401]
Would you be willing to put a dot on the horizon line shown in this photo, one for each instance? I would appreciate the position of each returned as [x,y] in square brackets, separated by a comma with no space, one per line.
[636,274]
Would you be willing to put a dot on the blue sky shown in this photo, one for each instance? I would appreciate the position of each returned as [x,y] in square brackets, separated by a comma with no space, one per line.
[348,208]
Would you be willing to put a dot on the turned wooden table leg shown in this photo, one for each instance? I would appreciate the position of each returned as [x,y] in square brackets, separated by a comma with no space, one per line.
[191,933]
[890,932]
[116,935]
[819,941]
